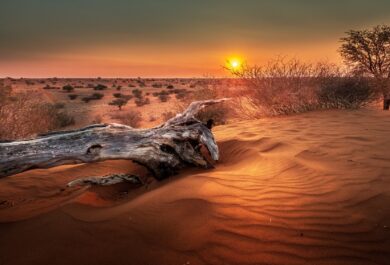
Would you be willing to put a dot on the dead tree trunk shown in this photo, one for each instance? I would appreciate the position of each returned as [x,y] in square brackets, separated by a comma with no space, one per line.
[163,149]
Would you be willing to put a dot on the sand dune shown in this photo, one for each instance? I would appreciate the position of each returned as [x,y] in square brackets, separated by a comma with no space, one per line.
[305,189]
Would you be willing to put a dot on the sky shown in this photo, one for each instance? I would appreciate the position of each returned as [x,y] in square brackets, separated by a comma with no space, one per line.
[171,38]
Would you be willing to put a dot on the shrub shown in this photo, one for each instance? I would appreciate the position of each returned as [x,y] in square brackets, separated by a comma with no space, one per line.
[119,102]
[118,88]
[72,96]
[68,88]
[50,87]
[142,101]
[137,93]
[100,87]
[117,95]
[97,96]
[63,119]
[24,115]
[170,87]
[163,97]
[345,92]
[131,118]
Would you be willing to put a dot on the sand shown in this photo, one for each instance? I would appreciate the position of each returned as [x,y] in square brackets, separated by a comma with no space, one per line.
[306,189]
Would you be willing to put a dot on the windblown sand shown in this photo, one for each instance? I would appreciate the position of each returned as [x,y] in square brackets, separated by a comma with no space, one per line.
[307,189]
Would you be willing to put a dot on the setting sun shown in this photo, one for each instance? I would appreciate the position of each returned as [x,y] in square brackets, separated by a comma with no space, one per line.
[233,63]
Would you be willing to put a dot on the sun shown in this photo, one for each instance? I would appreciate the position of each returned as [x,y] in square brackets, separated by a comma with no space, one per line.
[234,63]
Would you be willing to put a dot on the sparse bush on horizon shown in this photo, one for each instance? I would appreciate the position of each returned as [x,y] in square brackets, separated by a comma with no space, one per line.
[100,87]
[68,88]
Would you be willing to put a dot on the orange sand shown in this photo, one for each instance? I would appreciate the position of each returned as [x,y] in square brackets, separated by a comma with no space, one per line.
[307,189]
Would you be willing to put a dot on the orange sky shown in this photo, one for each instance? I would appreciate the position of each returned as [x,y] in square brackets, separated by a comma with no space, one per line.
[171,38]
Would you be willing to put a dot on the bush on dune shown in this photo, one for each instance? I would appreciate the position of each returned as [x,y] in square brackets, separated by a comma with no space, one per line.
[283,87]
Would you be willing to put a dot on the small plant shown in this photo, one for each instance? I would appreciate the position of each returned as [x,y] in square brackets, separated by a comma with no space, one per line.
[170,87]
[117,95]
[97,96]
[68,88]
[100,87]
[137,93]
[119,102]
[142,101]
[63,119]
[163,97]
[72,96]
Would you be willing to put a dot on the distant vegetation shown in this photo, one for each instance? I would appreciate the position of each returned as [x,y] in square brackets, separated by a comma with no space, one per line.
[24,114]
[68,88]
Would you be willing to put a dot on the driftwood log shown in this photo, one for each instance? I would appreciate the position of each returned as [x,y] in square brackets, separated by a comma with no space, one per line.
[163,149]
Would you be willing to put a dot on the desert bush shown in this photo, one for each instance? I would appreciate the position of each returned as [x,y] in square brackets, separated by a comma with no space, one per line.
[118,88]
[181,93]
[117,95]
[163,97]
[137,93]
[50,87]
[68,88]
[142,101]
[96,96]
[170,87]
[22,115]
[61,119]
[157,85]
[119,102]
[131,118]
[100,87]
[345,92]
[72,96]
[283,87]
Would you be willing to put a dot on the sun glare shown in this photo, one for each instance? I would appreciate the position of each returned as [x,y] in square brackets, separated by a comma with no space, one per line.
[234,63]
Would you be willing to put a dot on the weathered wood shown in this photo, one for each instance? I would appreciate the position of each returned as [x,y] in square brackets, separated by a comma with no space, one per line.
[106,180]
[163,149]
